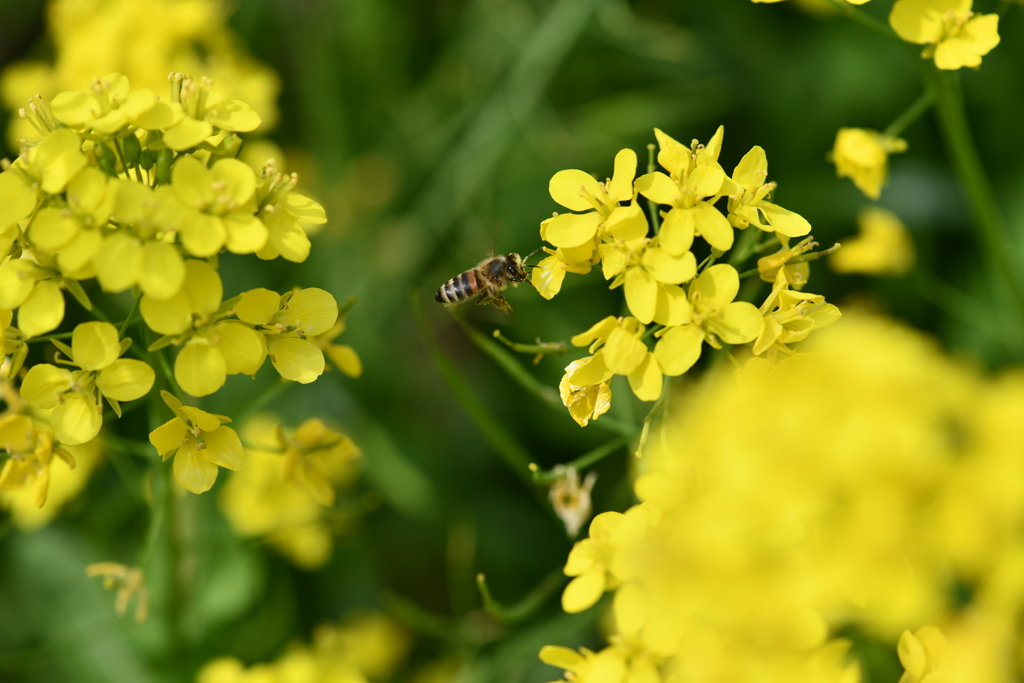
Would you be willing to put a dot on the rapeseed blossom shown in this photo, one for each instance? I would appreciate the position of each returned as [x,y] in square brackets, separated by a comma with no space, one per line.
[213,347]
[290,481]
[952,34]
[74,395]
[883,246]
[863,156]
[863,480]
[199,442]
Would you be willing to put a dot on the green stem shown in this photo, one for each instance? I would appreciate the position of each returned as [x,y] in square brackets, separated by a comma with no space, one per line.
[272,392]
[912,113]
[981,199]
[529,605]
[511,366]
[652,206]
[584,461]
[865,20]
[501,440]
[540,348]
[131,316]
[744,246]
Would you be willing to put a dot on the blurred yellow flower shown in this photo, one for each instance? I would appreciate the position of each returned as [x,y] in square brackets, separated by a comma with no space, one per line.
[570,498]
[921,654]
[342,356]
[74,395]
[589,564]
[199,443]
[954,35]
[883,246]
[288,480]
[318,457]
[128,581]
[62,484]
[29,450]
[106,108]
[863,156]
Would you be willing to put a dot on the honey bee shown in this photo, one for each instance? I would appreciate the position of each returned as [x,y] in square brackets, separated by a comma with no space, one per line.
[488,279]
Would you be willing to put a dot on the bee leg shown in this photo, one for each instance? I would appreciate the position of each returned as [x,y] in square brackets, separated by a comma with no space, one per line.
[500,302]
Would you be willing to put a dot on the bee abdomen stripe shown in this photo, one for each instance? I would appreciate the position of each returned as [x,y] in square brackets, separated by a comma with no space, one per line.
[468,281]
[451,290]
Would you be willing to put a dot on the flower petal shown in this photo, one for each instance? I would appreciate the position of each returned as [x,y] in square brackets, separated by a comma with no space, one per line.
[95,345]
[571,229]
[569,188]
[243,348]
[126,379]
[43,309]
[192,470]
[311,310]
[584,591]
[200,368]
[645,380]
[43,384]
[224,448]
[678,349]
[75,420]
[295,359]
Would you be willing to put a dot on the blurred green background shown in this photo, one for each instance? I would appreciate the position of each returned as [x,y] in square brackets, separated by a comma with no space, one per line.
[429,131]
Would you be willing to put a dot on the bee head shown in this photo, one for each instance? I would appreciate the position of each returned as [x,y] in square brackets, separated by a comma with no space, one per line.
[514,268]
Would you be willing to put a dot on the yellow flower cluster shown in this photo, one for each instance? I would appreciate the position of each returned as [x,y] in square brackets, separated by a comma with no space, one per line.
[365,647]
[609,227]
[861,486]
[288,486]
[142,39]
[134,192]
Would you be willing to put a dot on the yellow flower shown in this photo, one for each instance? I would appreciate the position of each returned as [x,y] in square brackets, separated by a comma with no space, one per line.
[219,206]
[139,253]
[618,349]
[694,184]
[883,247]
[768,267]
[12,344]
[863,156]
[790,316]
[954,35]
[74,235]
[106,108]
[650,275]
[342,356]
[921,654]
[600,202]
[35,290]
[29,452]
[43,169]
[199,443]
[213,347]
[589,564]
[715,317]
[202,113]
[286,322]
[318,457]
[284,213]
[128,581]
[748,199]
[613,664]
[585,402]
[549,274]
[34,472]
[74,396]
[261,501]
